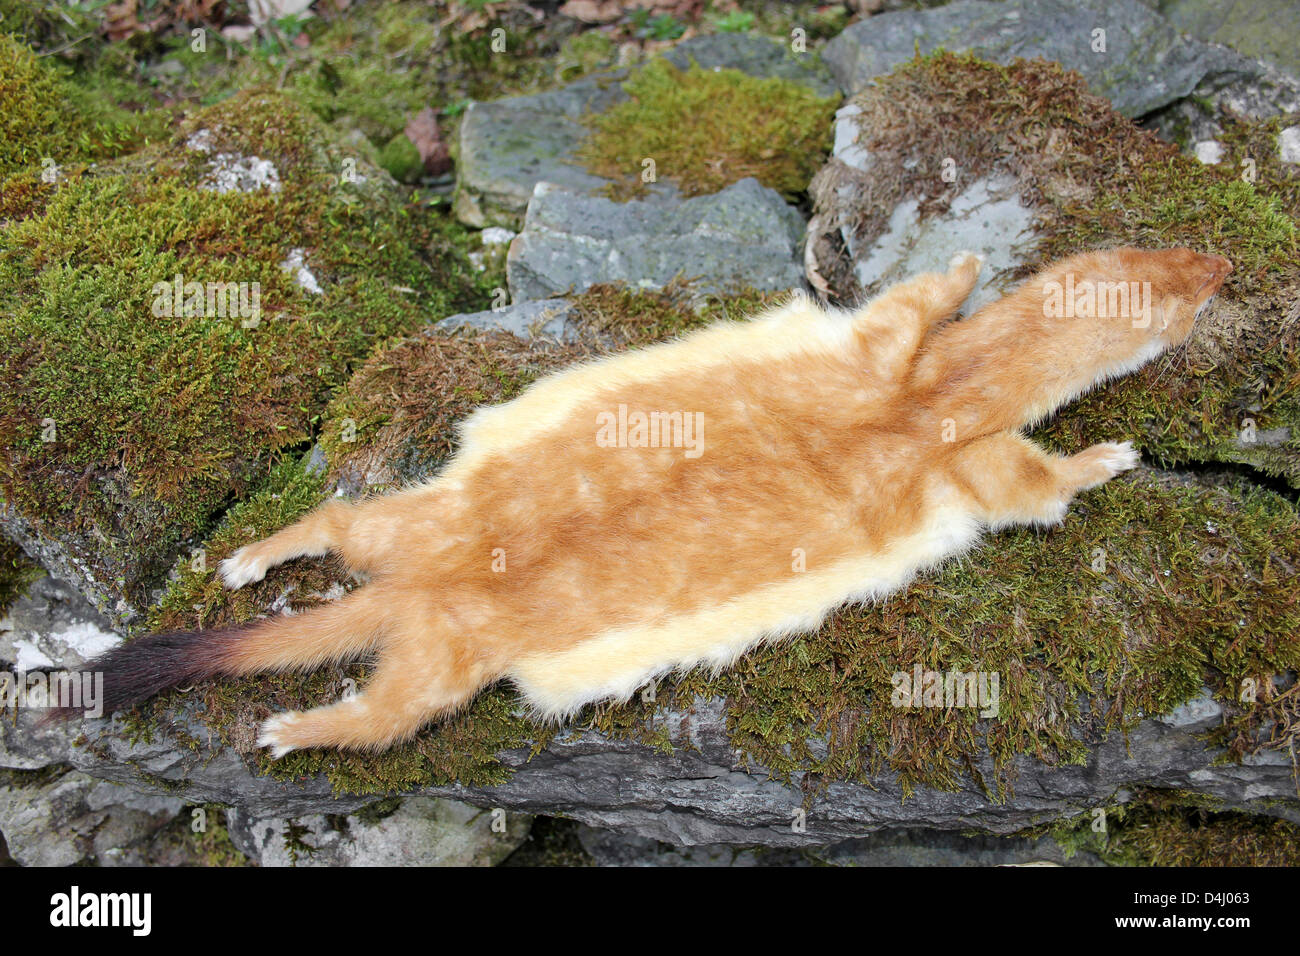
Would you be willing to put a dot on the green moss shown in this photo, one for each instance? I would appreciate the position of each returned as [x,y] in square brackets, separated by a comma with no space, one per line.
[584,53]
[49,25]
[46,118]
[705,129]
[1161,829]
[551,842]
[373,68]
[1250,147]
[402,160]
[132,421]
[17,571]
[179,844]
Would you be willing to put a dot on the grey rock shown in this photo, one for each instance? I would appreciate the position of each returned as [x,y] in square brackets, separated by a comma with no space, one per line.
[26,746]
[1147,64]
[886,848]
[104,575]
[1257,94]
[619,848]
[700,795]
[422,831]
[73,818]
[1268,30]
[508,146]
[745,235]
[987,217]
[53,626]
[1288,145]
[755,55]
[545,317]
[1200,713]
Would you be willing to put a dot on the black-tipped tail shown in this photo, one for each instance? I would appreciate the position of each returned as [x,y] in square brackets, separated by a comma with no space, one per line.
[137,670]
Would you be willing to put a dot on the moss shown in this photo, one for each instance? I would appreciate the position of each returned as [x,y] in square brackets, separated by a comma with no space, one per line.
[1251,146]
[17,571]
[136,426]
[584,53]
[49,25]
[402,160]
[179,844]
[1161,829]
[371,69]
[45,117]
[705,129]
[551,842]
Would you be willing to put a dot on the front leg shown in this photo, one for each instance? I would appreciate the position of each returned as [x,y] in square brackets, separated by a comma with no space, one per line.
[1012,481]
[893,324]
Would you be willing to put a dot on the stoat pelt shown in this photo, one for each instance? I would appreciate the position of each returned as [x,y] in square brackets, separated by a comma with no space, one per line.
[674,506]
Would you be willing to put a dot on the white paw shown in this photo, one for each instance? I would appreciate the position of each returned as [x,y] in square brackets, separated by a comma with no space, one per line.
[963,258]
[240,569]
[1118,456]
[271,734]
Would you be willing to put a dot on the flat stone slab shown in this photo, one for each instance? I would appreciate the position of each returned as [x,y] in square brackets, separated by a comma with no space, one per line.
[1146,63]
[744,236]
[987,217]
[507,146]
[700,794]
[423,831]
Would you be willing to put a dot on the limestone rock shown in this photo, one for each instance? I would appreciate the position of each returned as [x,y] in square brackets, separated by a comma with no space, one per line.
[1266,29]
[422,831]
[545,317]
[745,235]
[74,818]
[1146,63]
[53,626]
[701,795]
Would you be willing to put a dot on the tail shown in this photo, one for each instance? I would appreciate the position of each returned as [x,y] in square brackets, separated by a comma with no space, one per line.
[135,671]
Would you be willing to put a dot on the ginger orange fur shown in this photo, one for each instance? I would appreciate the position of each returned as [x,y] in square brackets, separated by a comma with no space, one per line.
[840,454]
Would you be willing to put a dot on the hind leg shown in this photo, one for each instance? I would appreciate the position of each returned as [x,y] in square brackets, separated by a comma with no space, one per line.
[402,697]
[322,531]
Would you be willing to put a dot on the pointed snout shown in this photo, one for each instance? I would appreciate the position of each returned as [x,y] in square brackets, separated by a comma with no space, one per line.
[1217,269]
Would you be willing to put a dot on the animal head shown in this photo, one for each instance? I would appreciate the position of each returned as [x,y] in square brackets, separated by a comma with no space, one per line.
[1126,306]
[1076,324]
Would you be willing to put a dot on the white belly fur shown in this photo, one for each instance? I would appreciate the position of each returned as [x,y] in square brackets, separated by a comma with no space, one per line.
[614,664]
